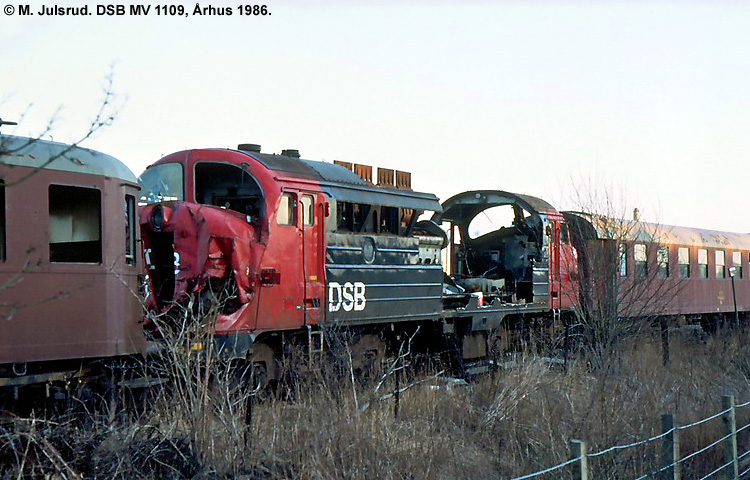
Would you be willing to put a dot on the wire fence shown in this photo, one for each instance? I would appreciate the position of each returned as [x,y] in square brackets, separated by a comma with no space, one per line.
[672,459]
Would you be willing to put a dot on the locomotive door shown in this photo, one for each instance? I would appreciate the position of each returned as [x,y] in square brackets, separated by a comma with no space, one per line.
[555,298]
[312,234]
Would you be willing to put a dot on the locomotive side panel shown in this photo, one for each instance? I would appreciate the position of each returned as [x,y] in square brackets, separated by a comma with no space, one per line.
[376,278]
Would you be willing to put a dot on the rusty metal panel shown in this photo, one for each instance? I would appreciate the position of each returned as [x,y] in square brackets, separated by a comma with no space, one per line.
[347,165]
[386,177]
[403,180]
[364,172]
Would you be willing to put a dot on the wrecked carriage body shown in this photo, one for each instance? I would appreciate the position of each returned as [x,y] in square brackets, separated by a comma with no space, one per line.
[511,247]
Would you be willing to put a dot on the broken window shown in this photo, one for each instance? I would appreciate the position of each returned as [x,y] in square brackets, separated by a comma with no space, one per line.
[130,232]
[737,263]
[227,186]
[623,260]
[564,235]
[357,217]
[683,260]
[285,214]
[491,220]
[161,183]
[702,263]
[662,261]
[2,220]
[720,272]
[74,224]
[641,265]
[307,210]
[389,220]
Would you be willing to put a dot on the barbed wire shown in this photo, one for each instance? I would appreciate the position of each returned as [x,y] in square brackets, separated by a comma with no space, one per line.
[657,437]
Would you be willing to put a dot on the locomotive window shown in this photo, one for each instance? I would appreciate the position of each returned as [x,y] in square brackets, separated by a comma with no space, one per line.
[491,220]
[285,214]
[737,261]
[720,272]
[702,263]
[161,183]
[641,265]
[307,210]
[389,220]
[2,220]
[227,186]
[564,235]
[74,224]
[662,261]
[344,216]
[130,229]
[683,259]
[407,220]
[363,220]
[623,260]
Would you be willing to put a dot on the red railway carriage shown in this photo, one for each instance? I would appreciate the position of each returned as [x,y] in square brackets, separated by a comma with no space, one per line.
[670,270]
[299,243]
[68,260]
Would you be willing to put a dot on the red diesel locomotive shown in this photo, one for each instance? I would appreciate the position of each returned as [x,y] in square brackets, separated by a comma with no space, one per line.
[307,245]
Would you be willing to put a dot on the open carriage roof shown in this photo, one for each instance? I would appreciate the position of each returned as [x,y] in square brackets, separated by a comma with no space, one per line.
[467,205]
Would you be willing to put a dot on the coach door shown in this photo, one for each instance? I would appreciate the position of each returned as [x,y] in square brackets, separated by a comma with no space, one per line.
[312,235]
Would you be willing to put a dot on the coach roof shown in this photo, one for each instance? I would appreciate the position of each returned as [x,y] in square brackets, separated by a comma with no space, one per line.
[43,154]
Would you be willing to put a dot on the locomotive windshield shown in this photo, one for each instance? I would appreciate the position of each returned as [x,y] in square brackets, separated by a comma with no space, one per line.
[161,183]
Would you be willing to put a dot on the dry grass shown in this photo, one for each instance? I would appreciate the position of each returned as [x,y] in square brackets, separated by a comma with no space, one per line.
[499,426]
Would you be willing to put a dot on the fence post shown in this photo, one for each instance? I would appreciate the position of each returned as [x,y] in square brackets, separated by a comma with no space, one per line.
[664,341]
[670,449]
[731,472]
[580,469]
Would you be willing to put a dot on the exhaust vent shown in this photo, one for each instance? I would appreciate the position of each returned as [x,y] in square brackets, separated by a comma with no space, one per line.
[249,147]
[290,153]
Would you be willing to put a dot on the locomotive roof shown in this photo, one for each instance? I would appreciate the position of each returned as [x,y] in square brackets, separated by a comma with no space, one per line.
[638,231]
[467,205]
[344,185]
[36,153]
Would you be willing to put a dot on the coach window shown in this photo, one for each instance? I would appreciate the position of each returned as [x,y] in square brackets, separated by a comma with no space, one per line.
[307,210]
[720,264]
[2,220]
[662,261]
[623,259]
[130,229]
[702,263]
[683,260]
[285,214]
[639,255]
[737,263]
[74,224]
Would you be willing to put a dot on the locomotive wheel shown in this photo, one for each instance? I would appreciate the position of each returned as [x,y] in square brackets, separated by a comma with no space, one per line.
[368,354]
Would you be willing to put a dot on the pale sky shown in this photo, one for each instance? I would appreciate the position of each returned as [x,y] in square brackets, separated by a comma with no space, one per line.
[653,97]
